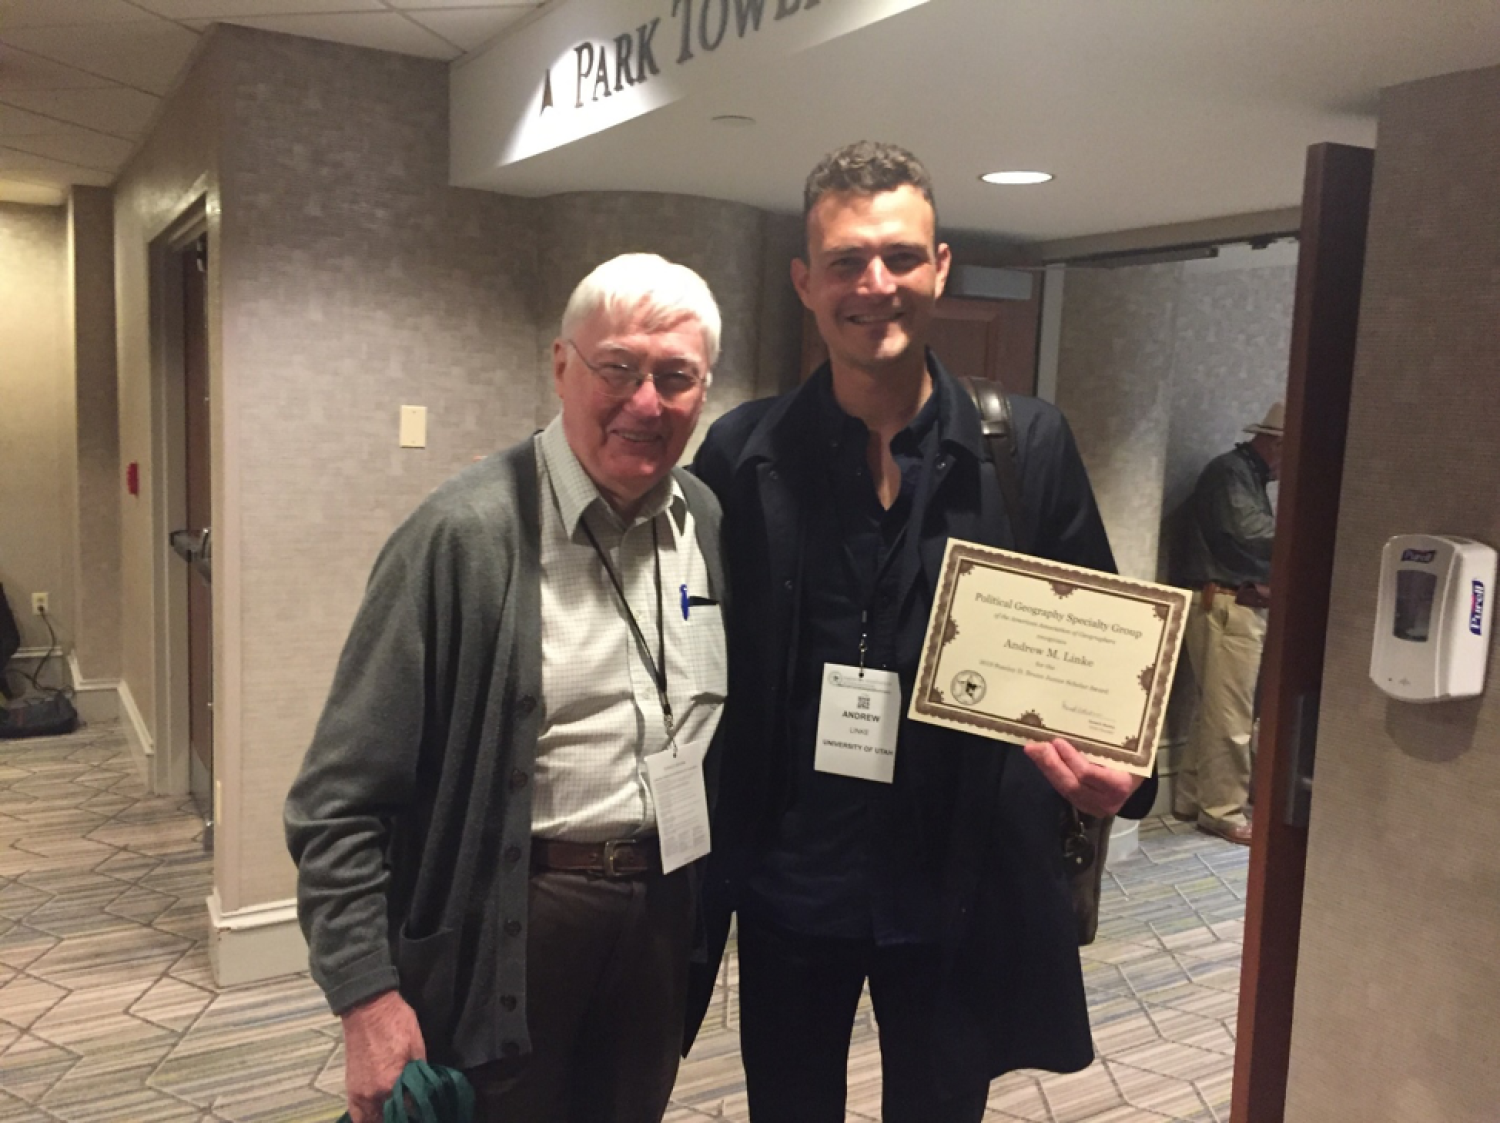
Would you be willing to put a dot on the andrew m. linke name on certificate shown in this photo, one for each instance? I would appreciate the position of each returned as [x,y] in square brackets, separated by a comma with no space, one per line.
[1024,649]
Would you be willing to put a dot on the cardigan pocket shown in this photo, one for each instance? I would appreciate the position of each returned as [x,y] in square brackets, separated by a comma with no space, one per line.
[428,969]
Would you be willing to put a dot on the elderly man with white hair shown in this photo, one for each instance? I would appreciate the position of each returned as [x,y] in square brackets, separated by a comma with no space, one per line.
[497,821]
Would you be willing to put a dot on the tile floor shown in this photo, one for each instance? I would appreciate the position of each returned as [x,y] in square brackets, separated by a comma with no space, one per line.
[109,1013]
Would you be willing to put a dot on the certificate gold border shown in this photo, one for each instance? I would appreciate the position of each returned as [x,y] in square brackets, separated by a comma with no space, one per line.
[1135,752]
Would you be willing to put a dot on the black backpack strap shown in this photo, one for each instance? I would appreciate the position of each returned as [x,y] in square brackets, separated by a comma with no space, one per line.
[994,418]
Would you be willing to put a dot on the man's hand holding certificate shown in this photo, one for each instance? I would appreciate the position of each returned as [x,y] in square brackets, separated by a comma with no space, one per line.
[1076,664]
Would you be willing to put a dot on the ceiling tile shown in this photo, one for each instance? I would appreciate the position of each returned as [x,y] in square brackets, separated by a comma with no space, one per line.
[117,111]
[469,28]
[43,169]
[227,9]
[65,13]
[17,122]
[35,194]
[146,55]
[20,70]
[77,146]
[380,31]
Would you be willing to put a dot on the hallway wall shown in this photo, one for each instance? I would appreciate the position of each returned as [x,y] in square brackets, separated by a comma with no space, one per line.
[36,424]
[97,473]
[354,281]
[1160,369]
[1404,849]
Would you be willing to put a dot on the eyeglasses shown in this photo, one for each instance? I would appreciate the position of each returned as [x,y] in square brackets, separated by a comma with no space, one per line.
[621,380]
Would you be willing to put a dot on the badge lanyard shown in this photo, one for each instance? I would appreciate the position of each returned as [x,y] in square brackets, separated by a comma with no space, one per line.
[657,667]
[915,514]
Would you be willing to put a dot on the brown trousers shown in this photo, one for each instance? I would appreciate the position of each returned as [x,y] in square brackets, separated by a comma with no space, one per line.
[606,990]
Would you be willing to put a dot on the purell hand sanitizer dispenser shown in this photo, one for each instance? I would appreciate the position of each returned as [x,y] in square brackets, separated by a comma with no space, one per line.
[1432,625]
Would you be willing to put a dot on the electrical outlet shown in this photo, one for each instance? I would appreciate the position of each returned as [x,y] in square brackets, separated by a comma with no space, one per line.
[39,604]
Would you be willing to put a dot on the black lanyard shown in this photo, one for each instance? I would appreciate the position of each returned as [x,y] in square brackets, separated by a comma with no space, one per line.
[657,667]
[904,550]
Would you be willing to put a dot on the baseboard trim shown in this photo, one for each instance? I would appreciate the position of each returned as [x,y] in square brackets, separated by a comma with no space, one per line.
[97,699]
[142,744]
[255,943]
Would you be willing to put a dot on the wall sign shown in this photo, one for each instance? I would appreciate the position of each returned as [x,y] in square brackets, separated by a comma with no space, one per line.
[588,65]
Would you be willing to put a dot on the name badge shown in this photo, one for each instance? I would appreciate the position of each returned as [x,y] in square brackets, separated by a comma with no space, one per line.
[858,720]
[681,800]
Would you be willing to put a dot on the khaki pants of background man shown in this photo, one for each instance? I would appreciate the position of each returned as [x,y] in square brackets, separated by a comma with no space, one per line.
[1224,642]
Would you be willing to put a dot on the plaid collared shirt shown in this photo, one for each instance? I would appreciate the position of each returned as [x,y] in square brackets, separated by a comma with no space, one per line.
[601,712]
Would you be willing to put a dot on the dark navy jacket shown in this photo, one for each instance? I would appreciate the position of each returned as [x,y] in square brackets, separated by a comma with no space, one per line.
[988,818]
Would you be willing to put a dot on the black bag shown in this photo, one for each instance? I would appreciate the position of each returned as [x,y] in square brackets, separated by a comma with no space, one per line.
[10,639]
[1084,839]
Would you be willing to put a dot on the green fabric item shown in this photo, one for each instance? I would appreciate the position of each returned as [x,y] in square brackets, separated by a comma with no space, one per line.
[427,1093]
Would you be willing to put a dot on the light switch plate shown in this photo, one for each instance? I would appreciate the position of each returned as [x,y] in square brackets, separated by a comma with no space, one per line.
[413,426]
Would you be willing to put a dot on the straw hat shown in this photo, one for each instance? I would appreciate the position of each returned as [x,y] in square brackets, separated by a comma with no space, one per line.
[1274,422]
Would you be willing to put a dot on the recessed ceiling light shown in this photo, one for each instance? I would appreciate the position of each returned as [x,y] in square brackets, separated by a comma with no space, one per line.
[1015,178]
[733,120]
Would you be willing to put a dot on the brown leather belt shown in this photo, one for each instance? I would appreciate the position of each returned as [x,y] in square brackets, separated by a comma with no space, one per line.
[1212,589]
[618,858]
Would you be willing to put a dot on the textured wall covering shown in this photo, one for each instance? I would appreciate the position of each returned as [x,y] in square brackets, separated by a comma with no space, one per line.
[1232,336]
[1404,850]
[35,423]
[354,281]
[99,479]
[1114,381]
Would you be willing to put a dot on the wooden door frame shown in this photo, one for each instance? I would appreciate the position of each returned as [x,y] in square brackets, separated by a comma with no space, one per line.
[1325,320]
[170,765]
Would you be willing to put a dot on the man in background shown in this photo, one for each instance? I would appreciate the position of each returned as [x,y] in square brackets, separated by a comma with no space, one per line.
[484,875]
[1228,561]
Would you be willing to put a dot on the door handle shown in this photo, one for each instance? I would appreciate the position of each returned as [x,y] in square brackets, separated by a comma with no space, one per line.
[185,544]
[195,549]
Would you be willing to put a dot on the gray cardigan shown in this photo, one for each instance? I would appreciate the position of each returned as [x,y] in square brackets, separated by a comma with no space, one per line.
[410,821]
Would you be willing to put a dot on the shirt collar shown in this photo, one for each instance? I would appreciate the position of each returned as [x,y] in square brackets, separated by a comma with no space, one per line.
[1258,465]
[833,423]
[577,494]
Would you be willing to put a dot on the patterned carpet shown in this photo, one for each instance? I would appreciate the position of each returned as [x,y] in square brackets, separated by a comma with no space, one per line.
[109,1013]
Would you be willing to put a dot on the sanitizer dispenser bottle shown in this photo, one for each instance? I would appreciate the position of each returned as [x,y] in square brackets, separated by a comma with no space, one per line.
[1432,625]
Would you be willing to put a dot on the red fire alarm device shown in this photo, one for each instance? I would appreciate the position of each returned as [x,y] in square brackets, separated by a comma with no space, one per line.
[133,478]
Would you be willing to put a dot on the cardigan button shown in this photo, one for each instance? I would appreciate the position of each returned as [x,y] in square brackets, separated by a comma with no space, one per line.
[518,780]
[512,927]
[528,703]
[512,855]
[507,1002]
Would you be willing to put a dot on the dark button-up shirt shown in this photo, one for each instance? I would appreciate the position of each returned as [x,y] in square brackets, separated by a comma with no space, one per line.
[832,869]
[1230,521]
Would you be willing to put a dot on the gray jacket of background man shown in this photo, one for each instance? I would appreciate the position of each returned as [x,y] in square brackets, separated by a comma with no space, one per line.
[410,821]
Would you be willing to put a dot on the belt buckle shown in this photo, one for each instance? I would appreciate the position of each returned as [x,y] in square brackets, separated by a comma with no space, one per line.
[611,849]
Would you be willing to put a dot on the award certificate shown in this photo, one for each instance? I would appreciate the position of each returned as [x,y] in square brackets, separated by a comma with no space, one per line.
[1023,649]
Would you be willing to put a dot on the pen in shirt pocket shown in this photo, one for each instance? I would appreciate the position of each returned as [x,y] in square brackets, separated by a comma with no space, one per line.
[693,602]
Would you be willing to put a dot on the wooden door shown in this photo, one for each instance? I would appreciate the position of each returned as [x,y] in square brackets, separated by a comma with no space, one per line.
[980,338]
[1335,212]
[194,263]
